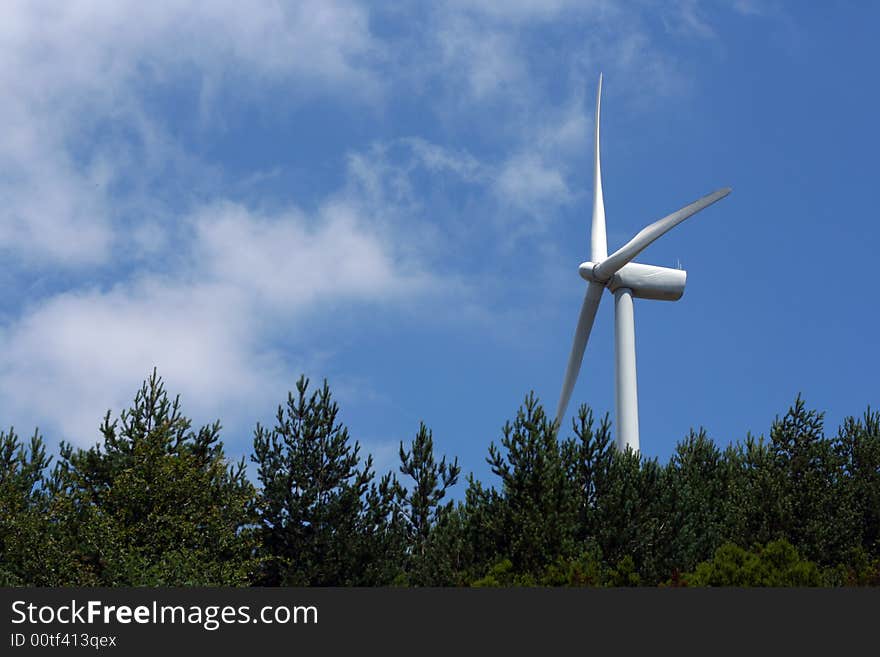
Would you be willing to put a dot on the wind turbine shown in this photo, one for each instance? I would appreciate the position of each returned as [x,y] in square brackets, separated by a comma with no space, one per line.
[625,280]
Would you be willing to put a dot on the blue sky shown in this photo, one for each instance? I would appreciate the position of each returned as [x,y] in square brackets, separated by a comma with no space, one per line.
[397,199]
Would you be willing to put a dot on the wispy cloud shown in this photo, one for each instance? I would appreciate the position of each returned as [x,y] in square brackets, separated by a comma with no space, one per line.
[529,184]
[686,18]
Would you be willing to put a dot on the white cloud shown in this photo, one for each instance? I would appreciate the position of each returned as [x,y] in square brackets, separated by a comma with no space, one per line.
[686,18]
[527,10]
[750,7]
[50,211]
[207,326]
[75,71]
[291,261]
[70,359]
[486,58]
[439,159]
[527,183]
[567,130]
[91,47]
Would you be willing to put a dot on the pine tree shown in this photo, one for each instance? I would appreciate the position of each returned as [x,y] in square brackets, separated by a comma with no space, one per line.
[808,466]
[32,549]
[697,489]
[482,525]
[760,513]
[538,510]
[323,520]
[858,452]
[155,502]
[422,504]
[588,458]
[430,481]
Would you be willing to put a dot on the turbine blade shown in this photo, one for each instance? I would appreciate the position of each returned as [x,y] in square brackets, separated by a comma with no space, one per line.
[606,269]
[585,324]
[598,241]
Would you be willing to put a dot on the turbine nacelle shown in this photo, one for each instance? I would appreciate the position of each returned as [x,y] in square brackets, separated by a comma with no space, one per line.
[645,281]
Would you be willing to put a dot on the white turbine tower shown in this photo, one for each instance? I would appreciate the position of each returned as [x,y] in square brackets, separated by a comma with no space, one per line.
[625,280]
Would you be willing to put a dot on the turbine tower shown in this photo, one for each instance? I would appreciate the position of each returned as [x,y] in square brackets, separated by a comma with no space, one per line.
[626,280]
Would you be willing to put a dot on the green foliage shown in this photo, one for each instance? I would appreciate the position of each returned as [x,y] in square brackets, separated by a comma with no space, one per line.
[32,547]
[776,564]
[588,458]
[323,520]
[808,467]
[858,569]
[858,453]
[537,509]
[634,523]
[696,485]
[476,529]
[21,508]
[759,513]
[624,573]
[156,503]
[423,510]
[797,490]
[587,569]
[504,574]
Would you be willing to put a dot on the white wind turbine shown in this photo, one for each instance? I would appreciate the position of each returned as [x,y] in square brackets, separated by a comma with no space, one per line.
[625,279]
